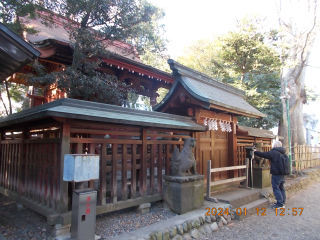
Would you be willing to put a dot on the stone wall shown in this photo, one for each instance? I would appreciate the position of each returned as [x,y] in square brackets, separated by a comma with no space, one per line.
[195,227]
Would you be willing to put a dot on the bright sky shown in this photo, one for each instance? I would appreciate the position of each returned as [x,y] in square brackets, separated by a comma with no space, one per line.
[187,21]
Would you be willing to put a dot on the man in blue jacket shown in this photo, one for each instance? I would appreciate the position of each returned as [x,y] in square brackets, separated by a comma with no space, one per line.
[277,180]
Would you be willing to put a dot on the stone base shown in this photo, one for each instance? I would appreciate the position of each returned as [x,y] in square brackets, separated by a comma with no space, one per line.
[60,230]
[261,177]
[144,208]
[183,194]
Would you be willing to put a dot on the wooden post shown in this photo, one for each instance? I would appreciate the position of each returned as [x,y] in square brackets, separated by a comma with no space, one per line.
[246,172]
[134,171]
[232,146]
[124,173]
[143,184]
[64,149]
[114,173]
[208,178]
[160,156]
[152,158]
[103,173]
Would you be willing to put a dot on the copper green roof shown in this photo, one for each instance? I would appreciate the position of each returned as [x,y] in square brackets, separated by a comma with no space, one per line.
[100,112]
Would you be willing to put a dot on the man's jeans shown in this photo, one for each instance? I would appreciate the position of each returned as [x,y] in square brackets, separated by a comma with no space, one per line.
[277,182]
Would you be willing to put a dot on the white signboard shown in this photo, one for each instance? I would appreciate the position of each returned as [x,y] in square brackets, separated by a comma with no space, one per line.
[81,167]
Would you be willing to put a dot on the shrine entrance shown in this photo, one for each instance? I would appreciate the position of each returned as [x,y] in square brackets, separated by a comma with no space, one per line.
[214,146]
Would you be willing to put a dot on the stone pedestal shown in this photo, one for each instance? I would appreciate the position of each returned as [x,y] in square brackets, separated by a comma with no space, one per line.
[183,194]
[261,177]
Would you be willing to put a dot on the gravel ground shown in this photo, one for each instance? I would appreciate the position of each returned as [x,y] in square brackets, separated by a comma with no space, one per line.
[111,224]
[23,223]
[306,226]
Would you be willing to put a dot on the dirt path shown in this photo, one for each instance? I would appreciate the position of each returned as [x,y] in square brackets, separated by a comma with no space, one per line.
[270,226]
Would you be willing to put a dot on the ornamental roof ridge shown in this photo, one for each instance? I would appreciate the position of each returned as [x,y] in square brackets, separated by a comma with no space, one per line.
[182,70]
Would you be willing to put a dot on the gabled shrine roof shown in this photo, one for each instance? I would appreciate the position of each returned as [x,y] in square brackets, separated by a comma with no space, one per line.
[255,132]
[100,112]
[214,94]
[58,33]
[15,53]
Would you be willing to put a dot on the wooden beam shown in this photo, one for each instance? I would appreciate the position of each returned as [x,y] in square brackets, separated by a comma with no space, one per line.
[64,149]
[227,181]
[227,168]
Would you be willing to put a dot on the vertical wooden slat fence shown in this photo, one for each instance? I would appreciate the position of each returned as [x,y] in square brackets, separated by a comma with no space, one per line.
[132,160]
[244,141]
[29,166]
[305,156]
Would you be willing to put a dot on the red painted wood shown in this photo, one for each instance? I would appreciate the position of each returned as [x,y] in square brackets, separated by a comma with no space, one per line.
[167,166]
[114,174]
[152,160]
[55,178]
[124,173]
[134,171]
[103,180]
[160,156]
[143,185]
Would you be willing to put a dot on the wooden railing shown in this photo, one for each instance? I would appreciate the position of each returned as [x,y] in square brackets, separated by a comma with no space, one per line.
[229,180]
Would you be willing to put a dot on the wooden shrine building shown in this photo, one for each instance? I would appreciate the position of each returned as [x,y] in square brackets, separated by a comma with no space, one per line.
[207,100]
[134,146]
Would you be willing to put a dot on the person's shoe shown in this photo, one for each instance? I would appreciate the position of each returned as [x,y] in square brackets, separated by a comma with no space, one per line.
[276,206]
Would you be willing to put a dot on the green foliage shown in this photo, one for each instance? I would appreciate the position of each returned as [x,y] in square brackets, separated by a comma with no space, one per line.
[162,93]
[200,56]
[313,94]
[247,59]
[17,95]
[155,60]
[11,9]
[263,92]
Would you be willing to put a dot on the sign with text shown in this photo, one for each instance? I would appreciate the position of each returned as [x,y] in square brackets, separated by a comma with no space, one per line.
[81,167]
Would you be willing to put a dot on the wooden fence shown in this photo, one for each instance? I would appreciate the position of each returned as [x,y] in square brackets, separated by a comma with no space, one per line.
[29,166]
[304,156]
[132,162]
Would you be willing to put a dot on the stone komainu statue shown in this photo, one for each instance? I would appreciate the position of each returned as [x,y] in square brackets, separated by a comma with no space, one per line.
[183,163]
[260,162]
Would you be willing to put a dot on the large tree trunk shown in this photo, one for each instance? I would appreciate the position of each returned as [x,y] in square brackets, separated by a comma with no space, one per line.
[298,98]
[293,78]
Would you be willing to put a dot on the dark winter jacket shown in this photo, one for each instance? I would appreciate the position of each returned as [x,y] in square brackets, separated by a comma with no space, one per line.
[274,157]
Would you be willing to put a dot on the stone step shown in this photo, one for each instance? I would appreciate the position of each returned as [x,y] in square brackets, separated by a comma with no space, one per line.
[250,209]
[238,197]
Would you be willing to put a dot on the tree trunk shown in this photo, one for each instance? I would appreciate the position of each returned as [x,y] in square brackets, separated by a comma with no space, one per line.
[8,95]
[280,128]
[5,107]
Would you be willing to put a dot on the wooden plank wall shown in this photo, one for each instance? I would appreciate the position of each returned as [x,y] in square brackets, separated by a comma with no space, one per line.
[29,165]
